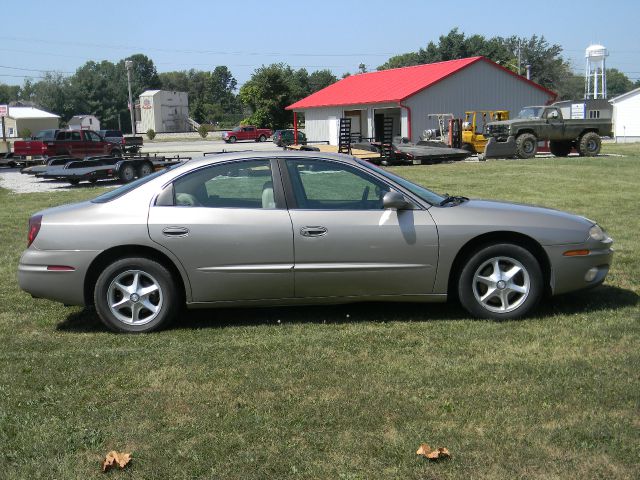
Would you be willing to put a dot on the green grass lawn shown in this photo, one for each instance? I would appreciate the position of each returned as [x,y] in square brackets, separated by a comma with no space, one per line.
[345,392]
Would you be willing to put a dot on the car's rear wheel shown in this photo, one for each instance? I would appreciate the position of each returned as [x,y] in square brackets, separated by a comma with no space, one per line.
[589,144]
[262,138]
[500,282]
[135,295]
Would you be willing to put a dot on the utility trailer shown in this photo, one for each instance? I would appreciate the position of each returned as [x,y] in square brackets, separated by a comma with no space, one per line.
[104,168]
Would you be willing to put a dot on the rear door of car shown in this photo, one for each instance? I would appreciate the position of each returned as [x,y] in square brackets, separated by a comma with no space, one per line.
[346,244]
[228,224]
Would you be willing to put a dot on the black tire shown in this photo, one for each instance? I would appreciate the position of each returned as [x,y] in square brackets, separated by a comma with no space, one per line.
[559,149]
[127,173]
[589,144]
[526,145]
[145,169]
[468,147]
[232,139]
[505,304]
[74,181]
[150,274]
[116,152]
[93,181]
[262,138]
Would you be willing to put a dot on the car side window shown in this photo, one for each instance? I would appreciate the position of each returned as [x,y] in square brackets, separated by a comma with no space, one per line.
[92,137]
[326,185]
[245,184]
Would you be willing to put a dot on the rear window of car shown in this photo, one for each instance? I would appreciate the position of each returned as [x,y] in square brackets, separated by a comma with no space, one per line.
[124,189]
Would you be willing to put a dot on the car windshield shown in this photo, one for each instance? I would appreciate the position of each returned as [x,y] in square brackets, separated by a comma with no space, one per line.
[424,193]
[118,192]
[237,129]
[530,112]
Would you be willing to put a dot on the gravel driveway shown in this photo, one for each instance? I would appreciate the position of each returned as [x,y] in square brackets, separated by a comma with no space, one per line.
[12,179]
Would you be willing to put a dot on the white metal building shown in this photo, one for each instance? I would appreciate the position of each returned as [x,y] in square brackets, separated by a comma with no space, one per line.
[33,119]
[410,94]
[84,122]
[626,116]
[163,111]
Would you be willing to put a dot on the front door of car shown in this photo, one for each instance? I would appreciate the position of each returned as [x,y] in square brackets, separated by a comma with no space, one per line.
[346,244]
[229,227]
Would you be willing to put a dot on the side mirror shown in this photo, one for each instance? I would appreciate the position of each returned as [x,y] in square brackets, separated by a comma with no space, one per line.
[395,201]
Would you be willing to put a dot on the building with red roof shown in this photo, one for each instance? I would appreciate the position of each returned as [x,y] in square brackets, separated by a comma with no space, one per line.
[410,94]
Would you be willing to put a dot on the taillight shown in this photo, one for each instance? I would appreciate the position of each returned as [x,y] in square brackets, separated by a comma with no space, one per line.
[122,142]
[34,228]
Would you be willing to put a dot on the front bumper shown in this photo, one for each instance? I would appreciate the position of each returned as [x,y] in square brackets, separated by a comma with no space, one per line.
[569,274]
[66,286]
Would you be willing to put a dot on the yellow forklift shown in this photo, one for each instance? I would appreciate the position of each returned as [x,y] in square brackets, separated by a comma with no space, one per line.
[472,138]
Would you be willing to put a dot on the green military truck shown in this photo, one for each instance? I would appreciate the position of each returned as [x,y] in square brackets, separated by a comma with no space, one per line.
[519,136]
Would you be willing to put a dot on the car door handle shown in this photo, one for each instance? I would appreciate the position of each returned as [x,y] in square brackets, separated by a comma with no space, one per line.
[175,231]
[313,231]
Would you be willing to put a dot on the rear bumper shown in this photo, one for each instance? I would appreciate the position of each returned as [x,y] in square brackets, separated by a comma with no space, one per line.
[66,286]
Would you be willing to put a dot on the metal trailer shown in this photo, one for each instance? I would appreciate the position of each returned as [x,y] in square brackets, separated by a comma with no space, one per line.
[101,168]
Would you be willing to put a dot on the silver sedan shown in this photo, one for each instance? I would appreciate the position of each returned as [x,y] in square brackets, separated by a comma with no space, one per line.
[301,228]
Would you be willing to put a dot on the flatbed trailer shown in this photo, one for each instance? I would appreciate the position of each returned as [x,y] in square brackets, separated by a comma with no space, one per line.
[355,152]
[104,168]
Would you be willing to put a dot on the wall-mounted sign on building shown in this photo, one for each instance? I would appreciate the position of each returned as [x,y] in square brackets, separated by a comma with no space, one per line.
[4,110]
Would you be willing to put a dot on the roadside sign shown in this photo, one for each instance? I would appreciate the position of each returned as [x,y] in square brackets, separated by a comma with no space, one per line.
[4,110]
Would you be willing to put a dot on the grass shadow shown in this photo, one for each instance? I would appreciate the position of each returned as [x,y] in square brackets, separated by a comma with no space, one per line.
[598,299]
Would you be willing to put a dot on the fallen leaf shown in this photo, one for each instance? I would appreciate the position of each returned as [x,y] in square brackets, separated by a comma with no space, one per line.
[425,451]
[114,458]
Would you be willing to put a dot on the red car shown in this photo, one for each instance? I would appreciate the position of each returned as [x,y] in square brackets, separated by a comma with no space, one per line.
[247,132]
[75,143]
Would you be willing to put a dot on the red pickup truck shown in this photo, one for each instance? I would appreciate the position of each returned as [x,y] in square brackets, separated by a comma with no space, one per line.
[247,132]
[75,143]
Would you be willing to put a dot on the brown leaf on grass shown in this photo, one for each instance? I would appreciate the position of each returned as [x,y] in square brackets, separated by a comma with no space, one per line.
[425,451]
[114,458]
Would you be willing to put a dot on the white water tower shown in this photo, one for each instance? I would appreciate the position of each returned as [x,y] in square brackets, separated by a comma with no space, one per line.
[596,73]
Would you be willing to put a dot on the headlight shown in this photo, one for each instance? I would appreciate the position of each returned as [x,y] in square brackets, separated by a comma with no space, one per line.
[597,233]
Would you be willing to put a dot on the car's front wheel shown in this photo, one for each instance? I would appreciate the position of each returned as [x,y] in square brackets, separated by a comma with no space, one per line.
[136,295]
[500,282]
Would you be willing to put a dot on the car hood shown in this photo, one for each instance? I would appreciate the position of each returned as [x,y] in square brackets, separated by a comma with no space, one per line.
[513,121]
[546,225]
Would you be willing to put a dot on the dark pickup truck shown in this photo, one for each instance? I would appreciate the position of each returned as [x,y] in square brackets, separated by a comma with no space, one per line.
[131,144]
[75,143]
[520,136]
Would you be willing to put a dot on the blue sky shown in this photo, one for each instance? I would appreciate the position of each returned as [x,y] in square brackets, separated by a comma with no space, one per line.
[41,35]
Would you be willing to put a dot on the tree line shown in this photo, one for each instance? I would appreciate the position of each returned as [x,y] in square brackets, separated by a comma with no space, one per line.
[100,88]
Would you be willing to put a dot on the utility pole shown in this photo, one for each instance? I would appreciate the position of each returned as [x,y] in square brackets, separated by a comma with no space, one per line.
[519,56]
[129,65]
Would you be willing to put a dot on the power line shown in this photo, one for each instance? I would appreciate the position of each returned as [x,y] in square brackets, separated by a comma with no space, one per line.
[204,52]
[33,69]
